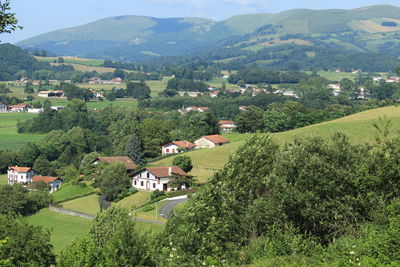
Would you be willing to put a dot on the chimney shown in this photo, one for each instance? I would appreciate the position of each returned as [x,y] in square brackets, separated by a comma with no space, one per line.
[169,170]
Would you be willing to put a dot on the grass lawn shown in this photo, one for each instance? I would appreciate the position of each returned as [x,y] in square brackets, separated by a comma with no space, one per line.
[70,191]
[134,201]
[89,205]
[10,139]
[3,179]
[152,214]
[96,105]
[358,127]
[63,228]
[149,227]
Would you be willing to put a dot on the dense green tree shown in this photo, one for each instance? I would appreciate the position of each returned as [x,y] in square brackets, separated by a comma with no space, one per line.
[138,90]
[276,121]
[113,181]
[26,245]
[183,162]
[154,133]
[43,166]
[133,149]
[250,120]
[28,88]
[113,241]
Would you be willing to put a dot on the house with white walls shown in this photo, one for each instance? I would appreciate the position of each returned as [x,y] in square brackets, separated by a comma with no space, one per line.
[177,147]
[54,183]
[209,141]
[153,178]
[20,175]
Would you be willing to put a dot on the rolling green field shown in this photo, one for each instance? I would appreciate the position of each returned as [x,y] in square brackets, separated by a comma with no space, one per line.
[81,61]
[134,201]
[358,127]
[9,138]
[71,191]
[89,205]
[63,228]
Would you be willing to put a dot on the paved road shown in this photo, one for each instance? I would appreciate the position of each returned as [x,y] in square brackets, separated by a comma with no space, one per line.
[169,206]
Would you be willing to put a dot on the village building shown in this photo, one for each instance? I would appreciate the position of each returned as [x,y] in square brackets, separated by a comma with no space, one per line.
[392,80]
[54,183]
[177,147]
[156,178]
[95,80]
[49,94]
[242,108]
[3,107]
[336,88]
[227,126]
[287,93]
[19,108]
[191,94]
[35,110]
[129,164]
[210,141]
[184,110]
[96,94]
[214,94]
[361,95]
[19,175]
[58,108]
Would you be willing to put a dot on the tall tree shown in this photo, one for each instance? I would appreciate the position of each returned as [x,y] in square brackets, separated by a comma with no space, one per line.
[183,162]
[133,149]
[113,181]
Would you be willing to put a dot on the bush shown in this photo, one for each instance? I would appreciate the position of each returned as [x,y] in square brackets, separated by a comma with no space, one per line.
[149,207]
[157,193]
[133,190]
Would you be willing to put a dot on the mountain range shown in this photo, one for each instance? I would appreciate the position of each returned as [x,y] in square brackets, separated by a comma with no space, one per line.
[373,29]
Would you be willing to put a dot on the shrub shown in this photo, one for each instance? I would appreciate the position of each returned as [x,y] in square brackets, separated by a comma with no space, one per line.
[157,193]
[149,208]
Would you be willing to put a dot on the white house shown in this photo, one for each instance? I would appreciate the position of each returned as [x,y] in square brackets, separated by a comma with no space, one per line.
[48,94]
[227,126]
[54,183]
[3,107]
[153,178]
[20,175]
[177,147]
[193,108]
[35,110]
[19,108]
[209,141]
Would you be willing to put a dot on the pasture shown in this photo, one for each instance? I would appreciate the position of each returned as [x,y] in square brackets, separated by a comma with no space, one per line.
[63,228]
[68,191]
[10,139]
[89,204]
[3,179]
[134,201]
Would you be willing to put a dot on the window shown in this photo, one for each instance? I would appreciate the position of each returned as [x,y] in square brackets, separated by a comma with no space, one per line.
[167,150]
[154,185]
[148,175]
[141,183]
[134,182]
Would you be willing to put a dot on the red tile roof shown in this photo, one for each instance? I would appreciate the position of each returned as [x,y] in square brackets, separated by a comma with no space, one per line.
[160,172]
[183,144]
[203,108]
[226,122]
[45,179]
[129,164]
[21,169]
[22,105]
[216,139]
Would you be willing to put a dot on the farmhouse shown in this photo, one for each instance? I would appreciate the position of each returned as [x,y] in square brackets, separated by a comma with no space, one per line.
[191,94]
[153,178]
[227,126]
[19,108]
[209,141]
[3,107]
[129,164]
[177,147]
[17,175]
[54,183]
[48,94]
[242,108]
[193,108]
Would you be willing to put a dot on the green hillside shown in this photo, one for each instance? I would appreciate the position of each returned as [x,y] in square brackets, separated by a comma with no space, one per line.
[139,38]
[358,127]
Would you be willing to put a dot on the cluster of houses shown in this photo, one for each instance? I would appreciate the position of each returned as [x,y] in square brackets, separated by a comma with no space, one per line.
[97,80]
[148,178]
[26,176]
[23,107]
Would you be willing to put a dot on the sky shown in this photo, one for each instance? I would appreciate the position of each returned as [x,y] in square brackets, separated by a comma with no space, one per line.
[41,16]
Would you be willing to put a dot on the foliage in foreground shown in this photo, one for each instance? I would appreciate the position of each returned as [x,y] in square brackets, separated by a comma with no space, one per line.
[302,200]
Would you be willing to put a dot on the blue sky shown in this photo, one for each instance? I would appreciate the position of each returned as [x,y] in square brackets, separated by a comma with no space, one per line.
[41,16]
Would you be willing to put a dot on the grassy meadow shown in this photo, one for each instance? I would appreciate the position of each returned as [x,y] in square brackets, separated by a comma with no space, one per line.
[134,201]
[10,139]
[358,127]
[70,191]
[63,228]
[89,204]
[3,179]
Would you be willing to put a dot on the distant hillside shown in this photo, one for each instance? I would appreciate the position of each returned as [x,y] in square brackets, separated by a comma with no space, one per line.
[131,38]
[14,60]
